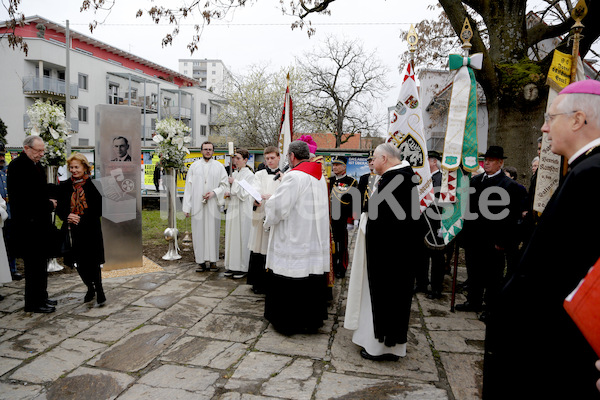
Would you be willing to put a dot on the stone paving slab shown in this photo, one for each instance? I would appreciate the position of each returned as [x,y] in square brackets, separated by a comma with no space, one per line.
[15,391]
[418,363]
[241,305]
[43,336]
[254,369]
[194,379]
[63,358]
[459,341]
[117,300]
[7,364]
[218,286]
[313,346]
[167,294]
[148,281]
[115,326]
[465,385]
[138,349]
[347,387]
[296,381]
[204,352]
[89,383]
[139,391]
[234,328]
[187,312]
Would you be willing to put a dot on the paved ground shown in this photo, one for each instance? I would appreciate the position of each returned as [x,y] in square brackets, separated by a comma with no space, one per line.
[179,334]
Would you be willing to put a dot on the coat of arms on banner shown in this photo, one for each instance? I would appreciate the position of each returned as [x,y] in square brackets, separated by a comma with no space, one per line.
[400,108]
[412,102]
[412,151]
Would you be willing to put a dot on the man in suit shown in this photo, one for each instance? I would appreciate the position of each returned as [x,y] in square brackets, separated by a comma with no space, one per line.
[495,205]
[434,254]
[121,149]
[533,349]
[342,216]
[6,230]
[31,209]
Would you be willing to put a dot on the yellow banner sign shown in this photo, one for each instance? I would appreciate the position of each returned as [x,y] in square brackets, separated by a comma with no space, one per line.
[559,75]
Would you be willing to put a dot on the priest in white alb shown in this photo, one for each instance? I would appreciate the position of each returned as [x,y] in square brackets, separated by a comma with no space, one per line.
[298,253]
[265,183]
[205,185]
[238,218]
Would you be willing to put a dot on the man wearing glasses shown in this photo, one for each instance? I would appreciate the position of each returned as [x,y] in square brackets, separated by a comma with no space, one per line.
[533,348]
[31,209]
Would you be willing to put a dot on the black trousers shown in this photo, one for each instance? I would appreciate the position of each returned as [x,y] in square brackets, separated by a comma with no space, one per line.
[91,275]
[340,256]
[437,270]
[485,270]
[36,280]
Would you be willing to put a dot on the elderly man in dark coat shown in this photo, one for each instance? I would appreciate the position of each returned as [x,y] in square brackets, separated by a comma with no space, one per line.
[495,204]
[31,210]
[393,231]
[533,348]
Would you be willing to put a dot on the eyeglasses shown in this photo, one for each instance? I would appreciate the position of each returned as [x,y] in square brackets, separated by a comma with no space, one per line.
[549,117]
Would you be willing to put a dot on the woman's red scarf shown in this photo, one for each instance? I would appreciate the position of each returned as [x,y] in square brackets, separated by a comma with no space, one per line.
[78,203]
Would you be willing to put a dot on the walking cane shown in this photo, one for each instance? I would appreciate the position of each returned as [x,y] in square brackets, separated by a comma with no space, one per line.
[453,300]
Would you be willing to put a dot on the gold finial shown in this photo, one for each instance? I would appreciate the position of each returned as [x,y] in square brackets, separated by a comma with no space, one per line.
[578,13]
[466,34]
[412,39]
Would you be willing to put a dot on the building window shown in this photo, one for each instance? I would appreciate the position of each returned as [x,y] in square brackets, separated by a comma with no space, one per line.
[83,81]
[84,142]
[185,64]
[185,71]
[202,130]
[214,64]
[202,108]
[83,114]
[113,93]
[214,72]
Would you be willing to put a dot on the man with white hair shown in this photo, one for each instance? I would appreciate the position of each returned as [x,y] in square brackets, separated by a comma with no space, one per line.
[393,232]
[533,348]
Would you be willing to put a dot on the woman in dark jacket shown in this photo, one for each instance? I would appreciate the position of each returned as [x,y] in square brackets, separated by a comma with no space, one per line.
[80,207]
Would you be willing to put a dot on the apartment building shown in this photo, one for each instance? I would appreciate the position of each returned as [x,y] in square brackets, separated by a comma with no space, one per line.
[213,75]
[99,73]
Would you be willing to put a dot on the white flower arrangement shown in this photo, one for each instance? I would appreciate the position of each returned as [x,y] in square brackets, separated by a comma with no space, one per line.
[171,136]
[47,121]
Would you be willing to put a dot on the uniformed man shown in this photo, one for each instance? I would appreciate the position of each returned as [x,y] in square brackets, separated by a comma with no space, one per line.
[342,216]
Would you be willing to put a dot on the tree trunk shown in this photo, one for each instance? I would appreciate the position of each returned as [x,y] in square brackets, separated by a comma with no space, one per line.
[516,128]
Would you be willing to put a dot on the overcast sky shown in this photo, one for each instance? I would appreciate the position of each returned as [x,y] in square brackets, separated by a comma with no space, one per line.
[255,34]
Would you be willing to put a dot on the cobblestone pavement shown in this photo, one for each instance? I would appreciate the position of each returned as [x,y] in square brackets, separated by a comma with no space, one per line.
[180,334]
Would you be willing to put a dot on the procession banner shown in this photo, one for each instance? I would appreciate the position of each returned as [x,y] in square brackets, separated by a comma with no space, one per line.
[406,133]
[549,168]
[285,129]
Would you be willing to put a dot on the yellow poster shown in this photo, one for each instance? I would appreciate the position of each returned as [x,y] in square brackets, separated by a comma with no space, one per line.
[559,75]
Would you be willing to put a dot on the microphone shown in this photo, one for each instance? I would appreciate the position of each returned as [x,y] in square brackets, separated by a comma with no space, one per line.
[285,168]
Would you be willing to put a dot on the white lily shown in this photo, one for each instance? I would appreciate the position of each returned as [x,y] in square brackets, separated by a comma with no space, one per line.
[54,134]
[158,138]
[178,141]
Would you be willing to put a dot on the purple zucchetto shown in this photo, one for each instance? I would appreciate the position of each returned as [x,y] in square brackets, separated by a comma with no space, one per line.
[588,86]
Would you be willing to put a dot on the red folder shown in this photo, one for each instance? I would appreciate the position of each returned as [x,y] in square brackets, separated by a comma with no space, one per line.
[583,305]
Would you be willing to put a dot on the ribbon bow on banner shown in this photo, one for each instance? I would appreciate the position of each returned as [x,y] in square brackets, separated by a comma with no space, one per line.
[474,61]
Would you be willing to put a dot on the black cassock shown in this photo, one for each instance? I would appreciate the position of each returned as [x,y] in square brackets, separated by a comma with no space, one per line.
[533,349]
[393,244]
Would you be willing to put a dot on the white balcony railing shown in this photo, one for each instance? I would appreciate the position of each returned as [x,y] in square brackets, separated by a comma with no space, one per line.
[49,85]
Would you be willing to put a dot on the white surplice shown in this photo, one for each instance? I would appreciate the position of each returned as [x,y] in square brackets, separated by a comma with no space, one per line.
[5,276]
[238,221]
[259,237]
[203,177]
[298,217]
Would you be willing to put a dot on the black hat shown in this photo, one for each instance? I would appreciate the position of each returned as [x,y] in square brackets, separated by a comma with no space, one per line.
[340,160]
[495,152]
[434,154]
[370,156]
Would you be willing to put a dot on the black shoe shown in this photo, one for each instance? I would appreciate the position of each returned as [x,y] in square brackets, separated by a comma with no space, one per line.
[50,302]
[340,275]
[41,310]
[228,273]
[434,295]
[466,306]
[421,289]
[213,267]
[16,276]
[201,269]
[383,357]
[89,296]
[239,275]
[101,299]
